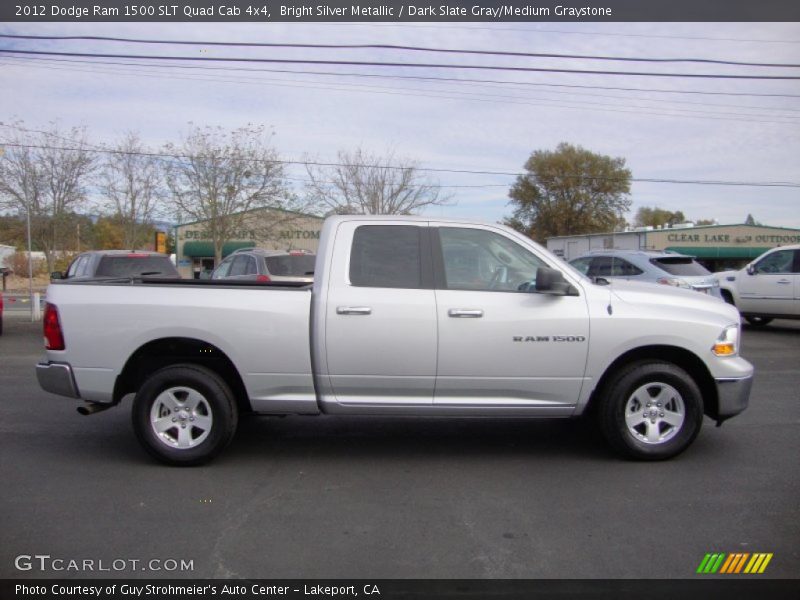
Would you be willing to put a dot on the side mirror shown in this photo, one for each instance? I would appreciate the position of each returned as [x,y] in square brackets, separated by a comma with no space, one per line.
[551,281]
[751,269]
[56,275]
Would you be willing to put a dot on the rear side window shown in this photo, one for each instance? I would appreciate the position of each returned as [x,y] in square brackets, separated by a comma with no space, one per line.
[680,265]
[297,266]
[386,256]
[135,266]
[622,268]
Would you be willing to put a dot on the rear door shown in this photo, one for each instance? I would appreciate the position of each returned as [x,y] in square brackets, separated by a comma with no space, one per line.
[380,317]
[501,348]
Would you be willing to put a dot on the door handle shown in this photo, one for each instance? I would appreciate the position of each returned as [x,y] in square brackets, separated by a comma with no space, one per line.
[353,310]
[465,313]
[784,281]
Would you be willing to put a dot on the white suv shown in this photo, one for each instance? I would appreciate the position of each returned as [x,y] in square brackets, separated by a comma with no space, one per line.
[768,288]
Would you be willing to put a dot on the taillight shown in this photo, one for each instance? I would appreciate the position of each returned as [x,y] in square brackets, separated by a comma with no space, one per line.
[53,337]
[263,278]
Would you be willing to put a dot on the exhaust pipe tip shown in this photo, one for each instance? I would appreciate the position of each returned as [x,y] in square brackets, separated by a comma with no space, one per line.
[92,408]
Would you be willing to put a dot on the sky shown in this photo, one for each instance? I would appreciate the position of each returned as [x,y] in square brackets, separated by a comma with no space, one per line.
[729,135]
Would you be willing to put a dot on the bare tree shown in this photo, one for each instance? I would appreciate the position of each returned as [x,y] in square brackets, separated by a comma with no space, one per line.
[44,174]
[131,181]
[220,175]
[364,183]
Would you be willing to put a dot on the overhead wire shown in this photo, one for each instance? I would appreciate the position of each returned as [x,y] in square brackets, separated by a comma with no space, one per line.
[405,48]
[491,98]
[366,63]
[789,184]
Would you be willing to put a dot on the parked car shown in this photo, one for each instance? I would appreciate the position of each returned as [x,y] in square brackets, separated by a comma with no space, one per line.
[668,268]
[767,288]
[119,263]
[257,264]
[394,326]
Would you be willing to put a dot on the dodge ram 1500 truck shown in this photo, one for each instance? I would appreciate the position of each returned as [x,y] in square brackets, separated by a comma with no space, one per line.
[406,316]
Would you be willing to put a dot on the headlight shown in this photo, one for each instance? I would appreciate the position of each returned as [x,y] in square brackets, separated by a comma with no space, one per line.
[727,343]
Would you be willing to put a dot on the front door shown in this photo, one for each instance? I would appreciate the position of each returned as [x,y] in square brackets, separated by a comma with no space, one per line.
[770,289]
[501,346]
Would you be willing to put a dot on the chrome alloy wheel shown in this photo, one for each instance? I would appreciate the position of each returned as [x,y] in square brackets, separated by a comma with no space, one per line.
[181,417]
[654,413]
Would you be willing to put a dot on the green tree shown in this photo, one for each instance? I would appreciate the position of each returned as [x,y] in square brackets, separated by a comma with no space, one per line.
[657,217]
[569,191]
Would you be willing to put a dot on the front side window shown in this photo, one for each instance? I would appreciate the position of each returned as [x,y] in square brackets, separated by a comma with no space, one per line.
[602,266]
[386,256]
[239,266]
[582,265]
[476,259]
[223,269]
[777,262]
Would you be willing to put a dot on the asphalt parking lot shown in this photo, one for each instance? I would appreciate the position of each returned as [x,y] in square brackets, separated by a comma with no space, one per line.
[323,497]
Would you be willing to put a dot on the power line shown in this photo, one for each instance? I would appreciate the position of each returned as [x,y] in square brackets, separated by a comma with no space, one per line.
[405,48]
[400,64]
[788,184]
[561,31]
[493,98]
[412,77]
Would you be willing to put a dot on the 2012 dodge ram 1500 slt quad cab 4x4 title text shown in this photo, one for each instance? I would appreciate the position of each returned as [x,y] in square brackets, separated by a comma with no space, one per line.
[406,316]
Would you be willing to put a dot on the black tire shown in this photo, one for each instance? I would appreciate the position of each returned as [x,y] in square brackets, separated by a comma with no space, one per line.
[728,297]
[759,321]
[197,401]
[654,438]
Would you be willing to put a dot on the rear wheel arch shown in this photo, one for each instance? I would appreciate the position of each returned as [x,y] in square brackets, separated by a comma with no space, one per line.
[683,358]
[165,352]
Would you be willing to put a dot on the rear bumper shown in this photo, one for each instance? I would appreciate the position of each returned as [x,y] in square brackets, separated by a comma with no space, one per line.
[734,395]
[57,378]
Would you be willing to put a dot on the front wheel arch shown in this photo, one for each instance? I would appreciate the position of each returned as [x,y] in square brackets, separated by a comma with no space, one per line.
[686,360]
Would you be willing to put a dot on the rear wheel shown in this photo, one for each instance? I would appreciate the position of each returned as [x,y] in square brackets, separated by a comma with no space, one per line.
[650,410]
[759,321]
[184,414]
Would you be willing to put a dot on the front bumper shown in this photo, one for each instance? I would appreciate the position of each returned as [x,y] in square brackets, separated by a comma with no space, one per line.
[57,378]
[733,395]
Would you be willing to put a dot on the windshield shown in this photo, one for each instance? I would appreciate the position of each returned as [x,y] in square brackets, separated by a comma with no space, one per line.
[294,266]
[680,265]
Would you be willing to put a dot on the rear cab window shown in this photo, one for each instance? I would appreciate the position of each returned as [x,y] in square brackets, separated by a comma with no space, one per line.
[292,266]
[132,265]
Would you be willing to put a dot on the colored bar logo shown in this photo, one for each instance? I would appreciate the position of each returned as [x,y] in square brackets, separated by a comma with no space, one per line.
[734,563]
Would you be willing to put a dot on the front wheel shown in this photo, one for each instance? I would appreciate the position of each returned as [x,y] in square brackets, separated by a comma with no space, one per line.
[184,414]
[650,410]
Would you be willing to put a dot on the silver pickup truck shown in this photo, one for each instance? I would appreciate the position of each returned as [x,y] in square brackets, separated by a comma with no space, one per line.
[406,316]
